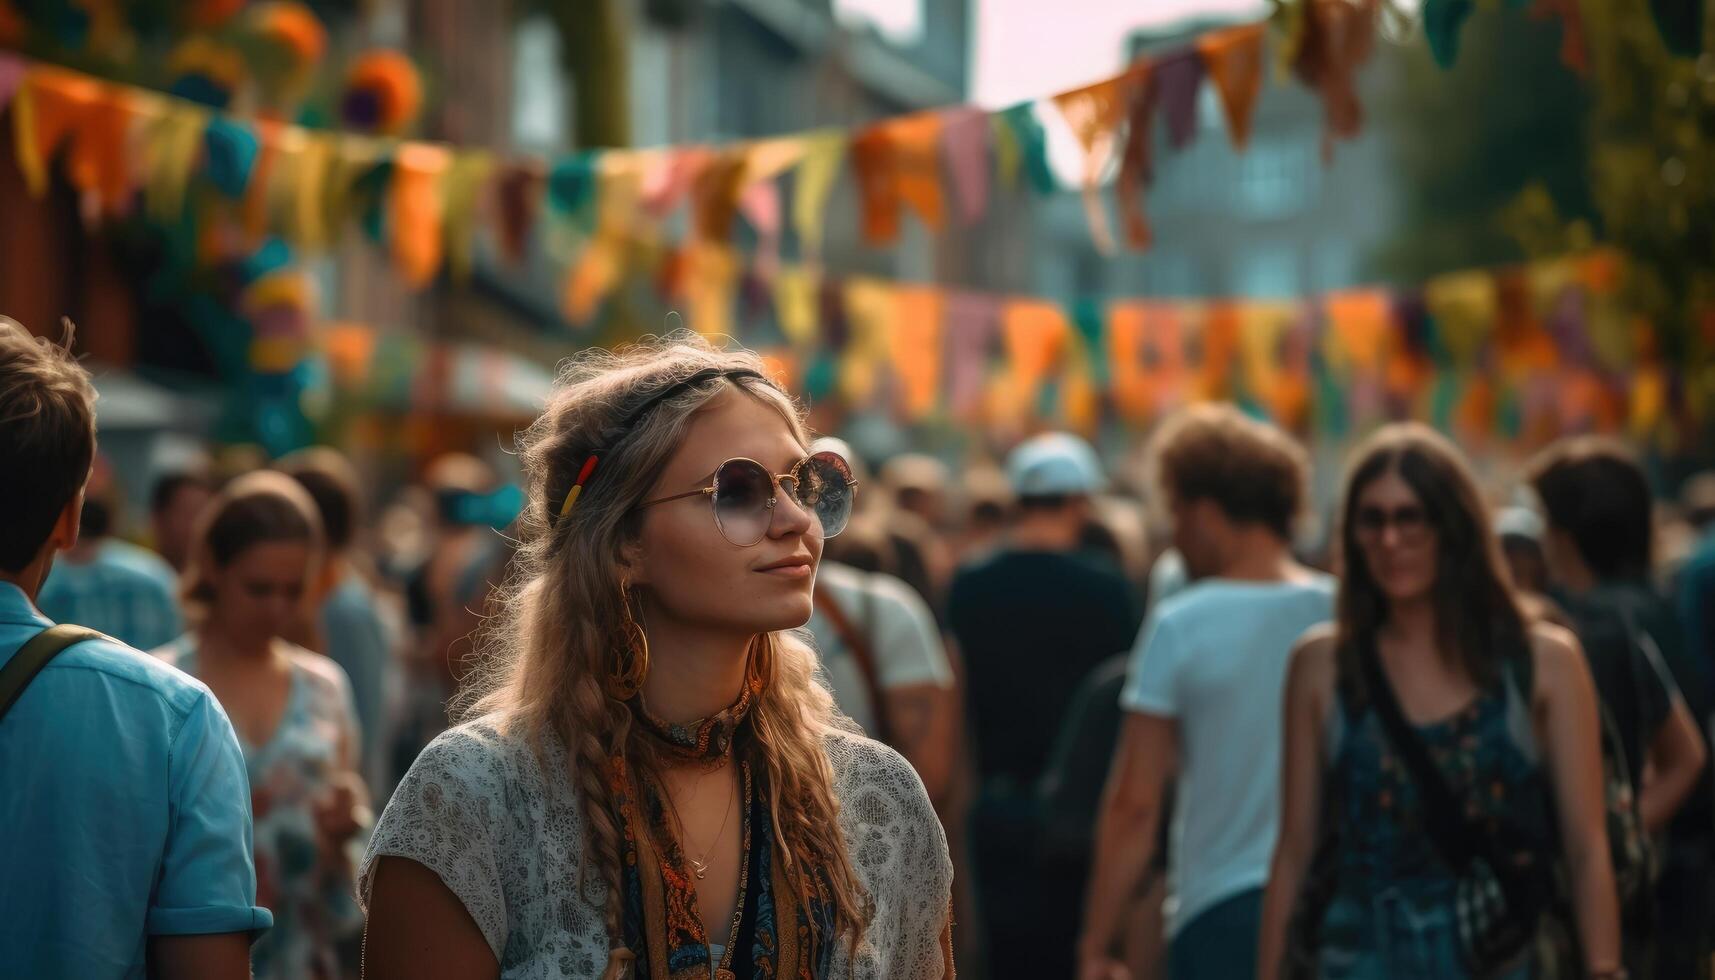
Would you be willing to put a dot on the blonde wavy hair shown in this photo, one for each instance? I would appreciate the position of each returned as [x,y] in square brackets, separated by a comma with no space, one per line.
[552,657]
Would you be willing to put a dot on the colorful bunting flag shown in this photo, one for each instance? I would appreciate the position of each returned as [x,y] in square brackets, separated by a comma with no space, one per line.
[965,141]
[1177,78]
[1233,59]
[815,181]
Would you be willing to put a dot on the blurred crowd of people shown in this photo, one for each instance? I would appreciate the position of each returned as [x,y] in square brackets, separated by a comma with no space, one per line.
[1164,738]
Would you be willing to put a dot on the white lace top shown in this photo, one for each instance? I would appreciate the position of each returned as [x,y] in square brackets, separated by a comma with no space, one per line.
[507,837]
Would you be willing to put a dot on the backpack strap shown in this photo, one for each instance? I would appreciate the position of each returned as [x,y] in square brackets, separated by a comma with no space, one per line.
[33,656]
[858,643]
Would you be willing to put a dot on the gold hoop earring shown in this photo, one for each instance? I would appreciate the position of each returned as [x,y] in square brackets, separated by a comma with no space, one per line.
[633,664]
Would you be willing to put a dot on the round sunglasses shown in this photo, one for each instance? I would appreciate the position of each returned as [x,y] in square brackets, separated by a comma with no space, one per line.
[744,494]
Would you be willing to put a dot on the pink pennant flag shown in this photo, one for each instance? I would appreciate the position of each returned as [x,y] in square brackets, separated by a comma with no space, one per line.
[760,205]
[1177,79]
[12,71]
[972,320]
[965,141]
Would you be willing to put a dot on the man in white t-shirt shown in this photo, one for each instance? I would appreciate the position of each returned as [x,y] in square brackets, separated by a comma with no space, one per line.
[885,663]
[1203,699]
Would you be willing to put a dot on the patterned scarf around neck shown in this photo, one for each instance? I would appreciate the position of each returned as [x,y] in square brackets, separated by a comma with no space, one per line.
[662,925]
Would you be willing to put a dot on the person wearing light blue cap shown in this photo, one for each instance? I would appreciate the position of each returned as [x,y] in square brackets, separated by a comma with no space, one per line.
[1032,620]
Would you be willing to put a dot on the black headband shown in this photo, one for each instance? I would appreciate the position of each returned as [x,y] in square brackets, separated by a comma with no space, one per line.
[637,415]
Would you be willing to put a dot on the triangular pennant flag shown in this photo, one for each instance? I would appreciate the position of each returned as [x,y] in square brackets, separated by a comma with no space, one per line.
[965,141]
[972,321]
[1035,333]
[815,177]
[915,346]
[1176,78]
[229,155]
[418,169]
[619,195]
[1032,145]
[49,108]
[1360,325]
[668,176]
[878,184]
[1338,38]
[916,145]
[870,311]
[1442,21]
[571,188]
[171,147]
[1233,58]
[797,303]
[590,279]
[760,205]
[463,189]
[714,195]
[711,281]
[518,195]
[1220,336]
[1137,160]
[1093,113]
[12,72]
[97,163]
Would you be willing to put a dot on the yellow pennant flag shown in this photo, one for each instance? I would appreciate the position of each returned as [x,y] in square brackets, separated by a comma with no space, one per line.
[463,188]
[797,290]
[869,313]
[170,153]
[817,171]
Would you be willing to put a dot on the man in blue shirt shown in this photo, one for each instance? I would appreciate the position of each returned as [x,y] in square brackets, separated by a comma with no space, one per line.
[125,809]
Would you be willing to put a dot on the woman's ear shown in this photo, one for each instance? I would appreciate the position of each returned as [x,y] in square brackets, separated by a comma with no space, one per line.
[631,565]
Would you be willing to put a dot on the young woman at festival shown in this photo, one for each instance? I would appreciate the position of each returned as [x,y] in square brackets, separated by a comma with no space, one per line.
[1431,668]
[652,783]
[254,554]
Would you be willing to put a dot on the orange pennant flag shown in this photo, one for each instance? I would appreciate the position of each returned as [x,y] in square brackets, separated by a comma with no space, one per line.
[592,277]
[1221,329]
[1035,333]
[1094,113]
[1147,357]
[96,161]
[416,197]
[1360,325]
[1233,58]
[714,194]
[49,108]
[878,184]
[916,144]
[915,345]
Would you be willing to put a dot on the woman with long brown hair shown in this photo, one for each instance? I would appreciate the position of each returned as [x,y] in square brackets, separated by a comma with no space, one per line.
[1435,738]
[255,552]
[651,782]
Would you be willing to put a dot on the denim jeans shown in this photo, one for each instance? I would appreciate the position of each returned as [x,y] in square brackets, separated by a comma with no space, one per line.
[1395,934]
[1220,942]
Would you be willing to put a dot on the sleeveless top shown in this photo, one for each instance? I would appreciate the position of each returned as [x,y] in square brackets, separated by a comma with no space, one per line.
[499,820]
[1489,755]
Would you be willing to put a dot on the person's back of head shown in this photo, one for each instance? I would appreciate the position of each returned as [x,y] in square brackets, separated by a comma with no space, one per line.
[1697,498]
[1597,500]
[1053,476]
[1220,471]
[332,483]
[47,444]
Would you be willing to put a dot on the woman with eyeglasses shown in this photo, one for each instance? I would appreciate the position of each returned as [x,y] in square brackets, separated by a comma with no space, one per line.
[650,782]
[1440,750]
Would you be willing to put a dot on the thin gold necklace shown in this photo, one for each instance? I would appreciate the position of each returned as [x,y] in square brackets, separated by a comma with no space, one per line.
[701,868]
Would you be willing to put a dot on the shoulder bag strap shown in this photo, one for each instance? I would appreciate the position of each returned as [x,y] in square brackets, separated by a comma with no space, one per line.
[1448,829]
[858,644]
[33,656]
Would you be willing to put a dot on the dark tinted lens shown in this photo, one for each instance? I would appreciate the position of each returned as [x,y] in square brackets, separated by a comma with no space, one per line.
[824,488]
[1372,520]
[742,489]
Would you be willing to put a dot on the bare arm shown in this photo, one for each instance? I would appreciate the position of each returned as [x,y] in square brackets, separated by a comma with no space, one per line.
[221,956]
[1567,721]
[1676,757]
[418,928]
[1125,836]
[923,719]
[1309,696]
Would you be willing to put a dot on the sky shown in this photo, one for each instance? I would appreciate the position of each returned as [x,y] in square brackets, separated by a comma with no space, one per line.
[1030,48]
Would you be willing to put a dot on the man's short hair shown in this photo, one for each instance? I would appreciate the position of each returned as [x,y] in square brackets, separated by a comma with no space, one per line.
[47,438]
[1592,489]
[169,483]
[1252,471]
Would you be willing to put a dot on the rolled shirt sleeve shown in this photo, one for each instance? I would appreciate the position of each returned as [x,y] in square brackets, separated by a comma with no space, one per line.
[208,870]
